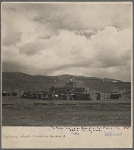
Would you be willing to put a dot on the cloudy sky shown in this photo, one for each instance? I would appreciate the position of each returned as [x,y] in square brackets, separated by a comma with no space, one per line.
[90,39]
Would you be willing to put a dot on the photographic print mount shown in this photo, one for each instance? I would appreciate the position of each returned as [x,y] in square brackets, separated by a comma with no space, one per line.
[67,64]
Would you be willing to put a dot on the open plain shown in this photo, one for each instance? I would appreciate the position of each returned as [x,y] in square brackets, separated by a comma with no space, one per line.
[32,112]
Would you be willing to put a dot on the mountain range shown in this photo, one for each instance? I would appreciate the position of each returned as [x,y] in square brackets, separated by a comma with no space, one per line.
[12,81]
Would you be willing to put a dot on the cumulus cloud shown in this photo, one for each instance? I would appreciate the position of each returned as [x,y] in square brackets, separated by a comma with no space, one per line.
[56,39]
[30,49]
[92,16]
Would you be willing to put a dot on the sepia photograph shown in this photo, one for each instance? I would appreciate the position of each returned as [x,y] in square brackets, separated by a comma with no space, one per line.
[66,64]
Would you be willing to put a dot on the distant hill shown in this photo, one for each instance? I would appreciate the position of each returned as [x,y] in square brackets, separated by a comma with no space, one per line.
[12,81]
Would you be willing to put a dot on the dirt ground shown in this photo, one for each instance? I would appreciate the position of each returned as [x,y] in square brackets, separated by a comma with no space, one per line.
[30,112]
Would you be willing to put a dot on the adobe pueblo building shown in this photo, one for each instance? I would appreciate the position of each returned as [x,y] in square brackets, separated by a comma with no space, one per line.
[73,90]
